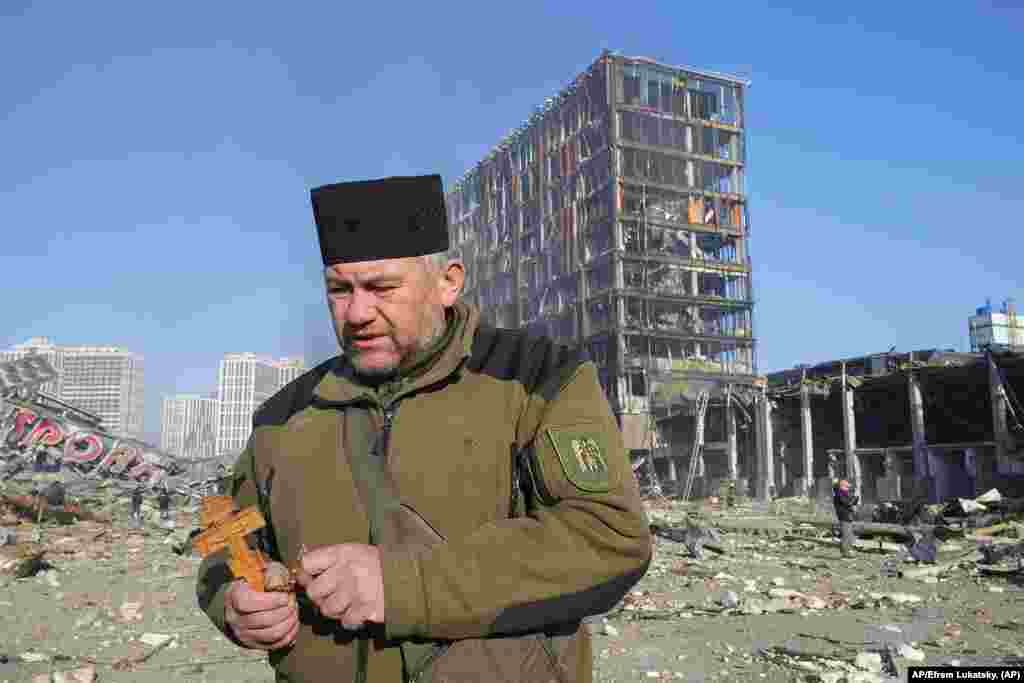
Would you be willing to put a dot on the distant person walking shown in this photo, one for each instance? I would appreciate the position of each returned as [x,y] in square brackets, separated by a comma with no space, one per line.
[222,480]
[845,503]
[137,505]
[164,502]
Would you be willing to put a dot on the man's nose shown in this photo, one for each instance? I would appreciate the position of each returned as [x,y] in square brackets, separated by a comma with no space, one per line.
[360,308]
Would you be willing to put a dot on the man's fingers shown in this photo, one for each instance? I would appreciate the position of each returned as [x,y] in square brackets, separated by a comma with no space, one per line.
[303,578]
[329,582]
[261,620]
[266,637]
[245,599]
[288,638]
[336,604]
[321,559]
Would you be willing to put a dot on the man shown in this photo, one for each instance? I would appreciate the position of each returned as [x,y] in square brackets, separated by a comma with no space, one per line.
[164,502]
[844,503]
[56,494]
[222,480]
[426,480]
[38,503]
[137,505]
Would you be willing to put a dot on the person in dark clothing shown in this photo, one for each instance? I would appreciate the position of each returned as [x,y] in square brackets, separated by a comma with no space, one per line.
[222,480]
[845,503]
[137,504]
[164,501]
[55,494]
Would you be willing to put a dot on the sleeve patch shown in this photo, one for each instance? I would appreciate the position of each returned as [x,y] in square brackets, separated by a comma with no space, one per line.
[583,455]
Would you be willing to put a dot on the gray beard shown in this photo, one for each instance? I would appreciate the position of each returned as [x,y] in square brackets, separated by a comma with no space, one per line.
[380,374]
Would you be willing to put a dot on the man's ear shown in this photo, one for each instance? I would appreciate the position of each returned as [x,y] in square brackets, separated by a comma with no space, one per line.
[452,281]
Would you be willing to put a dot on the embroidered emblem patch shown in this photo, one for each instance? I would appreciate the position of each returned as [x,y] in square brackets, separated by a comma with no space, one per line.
[583,457]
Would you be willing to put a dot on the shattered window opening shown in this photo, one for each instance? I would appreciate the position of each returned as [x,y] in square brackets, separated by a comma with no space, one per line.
[636,350]
[664,278]
[599,313]
[599,278]
[717,247]
[636,313]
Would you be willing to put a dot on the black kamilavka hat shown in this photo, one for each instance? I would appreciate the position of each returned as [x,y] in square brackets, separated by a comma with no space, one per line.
[368,220]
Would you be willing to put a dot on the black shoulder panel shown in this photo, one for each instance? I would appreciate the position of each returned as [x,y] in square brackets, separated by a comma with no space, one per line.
[292,397]
[536,362]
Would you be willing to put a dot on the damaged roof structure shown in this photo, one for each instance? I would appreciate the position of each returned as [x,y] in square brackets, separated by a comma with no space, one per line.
[925,425]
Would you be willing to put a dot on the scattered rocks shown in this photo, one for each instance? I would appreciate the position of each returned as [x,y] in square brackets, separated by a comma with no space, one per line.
[130,611]
[907,652]
[155,639]
[868,661]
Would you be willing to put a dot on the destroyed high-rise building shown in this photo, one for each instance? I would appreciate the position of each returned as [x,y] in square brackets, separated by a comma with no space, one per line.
[616,217]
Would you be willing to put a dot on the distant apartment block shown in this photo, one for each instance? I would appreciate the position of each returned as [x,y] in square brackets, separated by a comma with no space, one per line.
[188,426]
[998,330]
[104,380]
[245,381]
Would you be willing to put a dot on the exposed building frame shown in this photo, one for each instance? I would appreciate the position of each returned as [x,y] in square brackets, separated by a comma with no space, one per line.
[616,217]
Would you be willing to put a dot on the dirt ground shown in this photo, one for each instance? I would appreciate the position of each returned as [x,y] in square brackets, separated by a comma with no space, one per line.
[118,602]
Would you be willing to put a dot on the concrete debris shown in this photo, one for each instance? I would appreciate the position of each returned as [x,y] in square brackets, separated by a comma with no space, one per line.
[868,661]
[155,639]
[131,611]
[778,604]
[990,496]
[695,537]
[83,675]
[909,653]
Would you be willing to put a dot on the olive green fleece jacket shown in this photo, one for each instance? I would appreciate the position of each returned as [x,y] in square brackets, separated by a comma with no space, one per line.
[507,448]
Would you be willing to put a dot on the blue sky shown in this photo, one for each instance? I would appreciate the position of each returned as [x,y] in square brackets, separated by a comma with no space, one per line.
[157,157]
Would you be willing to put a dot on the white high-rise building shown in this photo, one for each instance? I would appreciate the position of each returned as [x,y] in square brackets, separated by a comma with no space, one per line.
[289,369]
[104,380]
[997,329]
[245,381]
[188,426]
[107,381]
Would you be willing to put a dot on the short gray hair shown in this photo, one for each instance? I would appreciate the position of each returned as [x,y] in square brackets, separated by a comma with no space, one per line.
[436,263]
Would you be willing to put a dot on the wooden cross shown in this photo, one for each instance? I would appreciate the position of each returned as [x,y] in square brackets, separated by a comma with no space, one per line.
[226,527]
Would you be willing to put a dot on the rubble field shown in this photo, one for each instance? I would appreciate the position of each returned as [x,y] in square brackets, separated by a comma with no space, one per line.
[748,593]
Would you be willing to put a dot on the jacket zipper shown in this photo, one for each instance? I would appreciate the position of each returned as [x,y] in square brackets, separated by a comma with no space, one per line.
[389,416]
[389,419]
[363,645]
[514,502]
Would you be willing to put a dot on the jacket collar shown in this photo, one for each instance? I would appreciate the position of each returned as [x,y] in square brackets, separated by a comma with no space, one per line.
[341,385]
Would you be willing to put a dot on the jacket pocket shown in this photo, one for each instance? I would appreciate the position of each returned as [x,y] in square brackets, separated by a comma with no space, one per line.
[522,659]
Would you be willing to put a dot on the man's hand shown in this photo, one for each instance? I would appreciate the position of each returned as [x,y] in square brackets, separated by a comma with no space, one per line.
[346,583]
[261,621]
